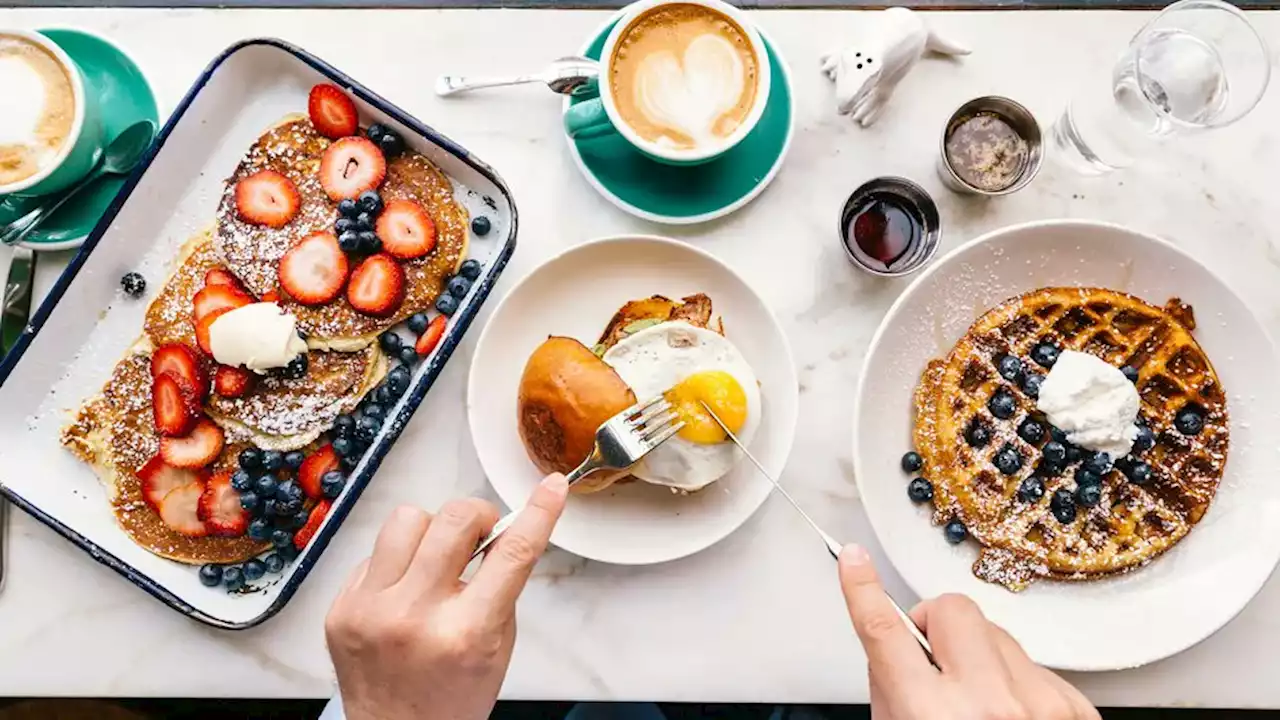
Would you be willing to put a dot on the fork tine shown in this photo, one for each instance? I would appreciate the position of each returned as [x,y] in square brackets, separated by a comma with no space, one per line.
[648,415]
[638,408]
[665,435]
[658,425]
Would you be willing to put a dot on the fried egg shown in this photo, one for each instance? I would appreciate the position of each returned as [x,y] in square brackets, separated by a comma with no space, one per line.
[690,365]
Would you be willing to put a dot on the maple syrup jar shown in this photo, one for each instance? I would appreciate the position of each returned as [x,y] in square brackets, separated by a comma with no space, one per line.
[889,226]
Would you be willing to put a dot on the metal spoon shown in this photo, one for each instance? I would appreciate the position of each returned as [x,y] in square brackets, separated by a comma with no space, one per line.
[119,157]
[566,76]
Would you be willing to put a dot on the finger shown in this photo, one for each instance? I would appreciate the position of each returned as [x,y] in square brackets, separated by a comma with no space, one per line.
[507,566]
[395,547]
[892,653]
[964,644]
[356,577]
[1039,687]
[446,548]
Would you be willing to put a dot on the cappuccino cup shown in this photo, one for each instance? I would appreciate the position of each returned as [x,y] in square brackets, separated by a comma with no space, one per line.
[50,127]
[682,81]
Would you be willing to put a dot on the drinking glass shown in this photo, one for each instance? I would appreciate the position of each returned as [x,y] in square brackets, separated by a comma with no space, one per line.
[1197,65]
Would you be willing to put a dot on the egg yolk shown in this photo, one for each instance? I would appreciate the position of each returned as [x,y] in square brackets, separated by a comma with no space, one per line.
[722,393]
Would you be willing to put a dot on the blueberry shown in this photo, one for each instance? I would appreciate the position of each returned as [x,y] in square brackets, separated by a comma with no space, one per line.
[977,435]
[297,367]
[1031,431]
[955,532]
[1099,463]
[911,462]
[342,226]
[389,341]
[1088,495]
[342,446]
[1047,469]
[1054,452]
[368,427]
[272,460]
[254,570]
[1031,489]
[370,202]
[1189,421]
[250,458]
[293,460]
[1008,460]
[1010,368]
[289,491]
[1130,372]
[211,575]
[1057,434]
[233,577]
[259,530]
[1045,354]
[391,144]
[374,410]
[397,381]
[274,563]
[1031,383]
[249,501]
[376,131]
[1075,454]
[1145,439]
[1002,404]
[348,208]
[289,554]
[369,242]
[331,483]
[382,395]
[446,304]
[418,323]
[281,538]
[349,462]
[299,519]
[343,425]
[270,508]
[920,490]
[1139,473]
[241,481]
[133,284]
[470,269]
[364,222]
[1063,506]
[349,242]
[480,225]
[408,356]
[459,287]
[265,486]
[1085,476]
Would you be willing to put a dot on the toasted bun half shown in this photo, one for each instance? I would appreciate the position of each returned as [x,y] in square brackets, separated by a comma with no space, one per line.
[566,393]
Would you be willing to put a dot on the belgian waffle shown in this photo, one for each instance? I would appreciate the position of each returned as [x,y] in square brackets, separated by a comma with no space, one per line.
[1132,524]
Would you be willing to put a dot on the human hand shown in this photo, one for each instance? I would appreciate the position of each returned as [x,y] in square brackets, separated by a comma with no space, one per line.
[409,639]
[982,673]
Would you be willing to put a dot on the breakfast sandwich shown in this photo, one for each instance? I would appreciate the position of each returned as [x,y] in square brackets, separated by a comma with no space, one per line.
[654,346]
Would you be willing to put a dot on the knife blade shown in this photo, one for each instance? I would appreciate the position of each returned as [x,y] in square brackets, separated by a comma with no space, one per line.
[15,306]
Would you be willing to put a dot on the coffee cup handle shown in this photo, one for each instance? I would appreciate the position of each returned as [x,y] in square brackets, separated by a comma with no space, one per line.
[587,120]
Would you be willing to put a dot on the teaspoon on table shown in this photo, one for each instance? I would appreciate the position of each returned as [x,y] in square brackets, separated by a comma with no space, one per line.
[566,76]
[833,546]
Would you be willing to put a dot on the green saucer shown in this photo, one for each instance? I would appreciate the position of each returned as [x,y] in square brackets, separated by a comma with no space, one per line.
[125,98]
[691,194]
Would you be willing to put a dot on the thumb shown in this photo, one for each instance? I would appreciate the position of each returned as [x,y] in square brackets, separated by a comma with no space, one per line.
[892,652]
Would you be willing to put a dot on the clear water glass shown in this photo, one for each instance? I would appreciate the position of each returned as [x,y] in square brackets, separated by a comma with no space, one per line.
[1198,65]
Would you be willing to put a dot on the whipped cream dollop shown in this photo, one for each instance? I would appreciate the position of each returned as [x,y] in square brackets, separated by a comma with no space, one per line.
[1092,402]
[689,93]
[259,336]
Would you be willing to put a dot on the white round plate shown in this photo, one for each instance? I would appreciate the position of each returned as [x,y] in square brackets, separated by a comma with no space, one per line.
[576,294]
[1180,598]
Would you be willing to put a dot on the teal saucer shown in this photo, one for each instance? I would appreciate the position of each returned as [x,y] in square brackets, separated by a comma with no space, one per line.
[692,194]
[125,97]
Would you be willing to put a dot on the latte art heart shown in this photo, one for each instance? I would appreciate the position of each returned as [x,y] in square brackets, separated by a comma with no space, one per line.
[691,93]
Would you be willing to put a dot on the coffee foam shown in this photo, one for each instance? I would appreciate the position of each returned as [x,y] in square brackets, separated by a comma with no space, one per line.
[37,111]
[690,93]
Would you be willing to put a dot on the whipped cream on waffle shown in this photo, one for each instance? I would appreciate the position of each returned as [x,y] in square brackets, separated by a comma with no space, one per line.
[1092,402]
[259,336]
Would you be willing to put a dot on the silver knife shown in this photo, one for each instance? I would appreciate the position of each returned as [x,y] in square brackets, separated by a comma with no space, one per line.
[15,306]
[833,546]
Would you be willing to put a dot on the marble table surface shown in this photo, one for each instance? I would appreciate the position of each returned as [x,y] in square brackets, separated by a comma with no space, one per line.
[757,618]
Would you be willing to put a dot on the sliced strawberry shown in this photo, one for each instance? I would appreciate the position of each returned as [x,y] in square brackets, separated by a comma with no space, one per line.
[332,112]
[222,276]
[217,297]
[350,166]
[314,468]
[271,296]
[377,286]
[180,510]
[406,230]
[159,479]
[314,271]
[267,198]
[314,521]
[197,449]
[430,337]
[175,404]
[202,329]
[180,360]
[219,508]
[232,382]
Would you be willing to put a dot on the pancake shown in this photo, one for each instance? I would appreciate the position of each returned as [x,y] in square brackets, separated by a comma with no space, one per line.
[252,252]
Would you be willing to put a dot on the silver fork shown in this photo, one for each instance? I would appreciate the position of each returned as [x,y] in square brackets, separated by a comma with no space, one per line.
[622,441]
